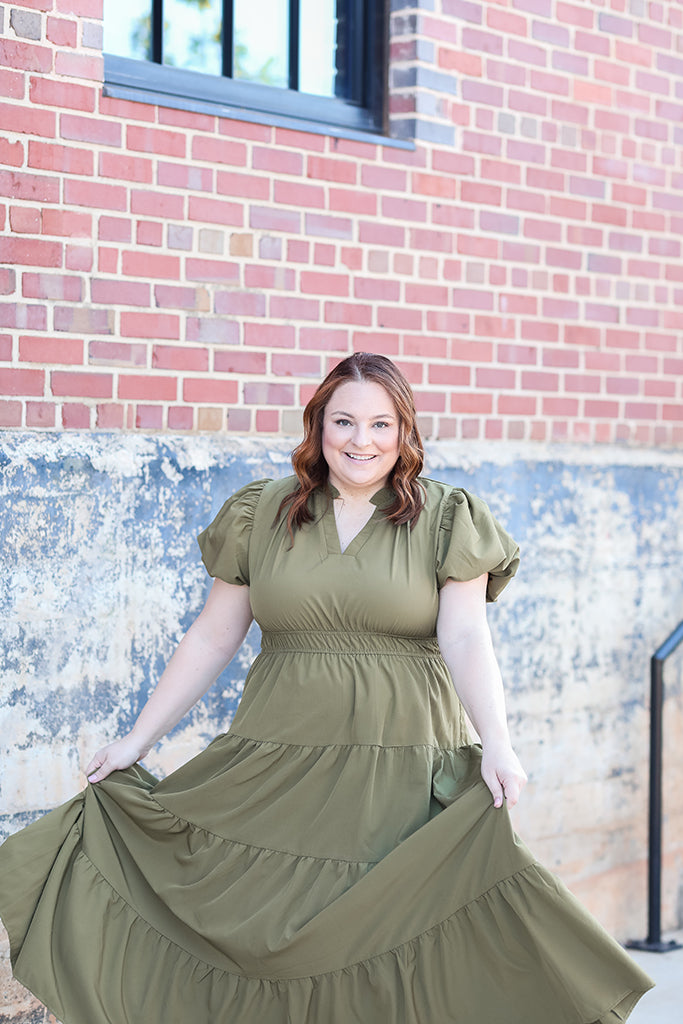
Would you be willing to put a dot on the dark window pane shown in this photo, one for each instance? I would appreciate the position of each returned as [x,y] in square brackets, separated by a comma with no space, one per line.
[318,28]
[128,28]
[192,35]
[261,41]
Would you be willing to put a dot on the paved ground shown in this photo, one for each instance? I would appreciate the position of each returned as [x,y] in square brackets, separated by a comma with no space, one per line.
[664,1004]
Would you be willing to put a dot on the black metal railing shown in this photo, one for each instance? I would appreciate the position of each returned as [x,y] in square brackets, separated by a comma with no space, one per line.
[653,943]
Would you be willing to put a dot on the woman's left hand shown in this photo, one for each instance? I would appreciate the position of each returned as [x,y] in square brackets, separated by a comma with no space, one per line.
[502,773]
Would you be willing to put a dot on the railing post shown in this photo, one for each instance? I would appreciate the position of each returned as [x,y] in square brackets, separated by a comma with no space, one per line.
[653,943]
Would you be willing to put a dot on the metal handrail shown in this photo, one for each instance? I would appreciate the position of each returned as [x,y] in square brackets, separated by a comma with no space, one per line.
[653,943]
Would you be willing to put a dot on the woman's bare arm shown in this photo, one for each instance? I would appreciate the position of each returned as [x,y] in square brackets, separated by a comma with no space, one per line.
[465,643]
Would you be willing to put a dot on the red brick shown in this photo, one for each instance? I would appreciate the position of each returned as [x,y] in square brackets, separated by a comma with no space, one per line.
[40,414]
[115,292]
[158,141]
[62,32]
[117,353]
[248,186]
[209,270]
[236,303]
[131,168]
[325,338]
[12,84]
[151,388]
[277,161]
[25,56]
[317,283]
[241,362]
[150,265]
[49,157]
[265,335]
[357,314]
[293,365]
[180,357]
[477,39]
[95,194]
[168,296]
[268,219]
[207,389]
[90,129]
[37,187]
[10,414]
[50,350]
[50,93]
[149,417]
[295,193]
[11,153]
[66,223]
[286,307]
[180,418]
[150,325]
[188,176]
[78,257]
[25,220]
[347,200]
[32,252]
[76,416]
[383,289]
[292,139]
[52,286]
[219,151]
[22,382]
[427,294]
[379,233]
[330,169]
[260,276]
[69,383]
[148,232]
[16,117]
[477,142]
[263,393]
[326,226]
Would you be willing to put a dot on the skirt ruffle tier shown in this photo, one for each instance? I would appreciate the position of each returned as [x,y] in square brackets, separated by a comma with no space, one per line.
[157,902]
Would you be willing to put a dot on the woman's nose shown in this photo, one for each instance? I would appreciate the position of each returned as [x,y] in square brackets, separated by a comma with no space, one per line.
[361,436]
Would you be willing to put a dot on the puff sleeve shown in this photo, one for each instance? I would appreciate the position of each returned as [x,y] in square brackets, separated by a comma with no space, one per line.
[224,544]
[471,542]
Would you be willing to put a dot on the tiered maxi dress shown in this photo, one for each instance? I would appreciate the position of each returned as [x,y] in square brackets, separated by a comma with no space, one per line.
[334,858]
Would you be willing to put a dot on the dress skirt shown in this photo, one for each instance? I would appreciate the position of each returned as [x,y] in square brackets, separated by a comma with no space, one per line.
[334,858]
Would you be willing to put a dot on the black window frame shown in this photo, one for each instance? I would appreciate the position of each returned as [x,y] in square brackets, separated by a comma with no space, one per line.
[363,115]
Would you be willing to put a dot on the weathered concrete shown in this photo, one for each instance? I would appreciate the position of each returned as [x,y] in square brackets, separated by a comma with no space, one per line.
[101,575]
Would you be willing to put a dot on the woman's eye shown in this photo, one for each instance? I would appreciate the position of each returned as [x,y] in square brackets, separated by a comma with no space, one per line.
[343,423]
[381,423]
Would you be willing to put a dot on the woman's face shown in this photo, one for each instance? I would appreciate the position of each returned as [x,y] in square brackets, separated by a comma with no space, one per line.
[360,437]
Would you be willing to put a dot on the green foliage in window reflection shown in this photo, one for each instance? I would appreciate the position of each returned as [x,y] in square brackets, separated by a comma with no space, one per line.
[198,47]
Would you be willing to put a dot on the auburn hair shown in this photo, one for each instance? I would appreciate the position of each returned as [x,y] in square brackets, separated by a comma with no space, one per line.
[309,463]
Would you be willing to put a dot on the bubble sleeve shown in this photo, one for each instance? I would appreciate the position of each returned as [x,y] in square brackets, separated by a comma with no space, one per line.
[224,544]
[471,542]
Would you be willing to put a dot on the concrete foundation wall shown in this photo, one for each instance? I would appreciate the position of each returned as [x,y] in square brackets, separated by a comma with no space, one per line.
[101,576]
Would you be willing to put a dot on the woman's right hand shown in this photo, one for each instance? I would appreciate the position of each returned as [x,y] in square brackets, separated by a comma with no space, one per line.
[115,756]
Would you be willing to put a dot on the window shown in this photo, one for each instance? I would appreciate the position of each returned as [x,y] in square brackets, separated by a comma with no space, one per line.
[282,61]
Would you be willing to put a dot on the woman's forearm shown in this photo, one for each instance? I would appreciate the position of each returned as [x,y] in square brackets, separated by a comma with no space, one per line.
[476,676]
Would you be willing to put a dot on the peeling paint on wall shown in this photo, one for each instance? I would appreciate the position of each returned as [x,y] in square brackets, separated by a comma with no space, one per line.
[101,577]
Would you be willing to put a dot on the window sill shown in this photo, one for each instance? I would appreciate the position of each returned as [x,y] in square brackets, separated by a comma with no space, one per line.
[144,82]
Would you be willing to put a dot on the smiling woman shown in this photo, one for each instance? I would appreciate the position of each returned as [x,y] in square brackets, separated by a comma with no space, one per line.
[343,853]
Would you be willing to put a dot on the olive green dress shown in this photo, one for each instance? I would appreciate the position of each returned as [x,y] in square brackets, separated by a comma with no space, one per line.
[334,858]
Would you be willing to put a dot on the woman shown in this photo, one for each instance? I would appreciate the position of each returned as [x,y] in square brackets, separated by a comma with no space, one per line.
[335,858]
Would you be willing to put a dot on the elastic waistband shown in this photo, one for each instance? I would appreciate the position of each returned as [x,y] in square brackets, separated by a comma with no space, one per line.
[338,642]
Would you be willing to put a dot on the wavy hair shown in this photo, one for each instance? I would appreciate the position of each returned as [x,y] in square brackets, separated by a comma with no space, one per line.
[309,463]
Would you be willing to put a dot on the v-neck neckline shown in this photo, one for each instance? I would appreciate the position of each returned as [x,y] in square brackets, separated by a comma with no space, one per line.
[329,524]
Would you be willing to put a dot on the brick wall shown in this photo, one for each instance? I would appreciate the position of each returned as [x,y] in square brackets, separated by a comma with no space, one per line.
[164,270]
